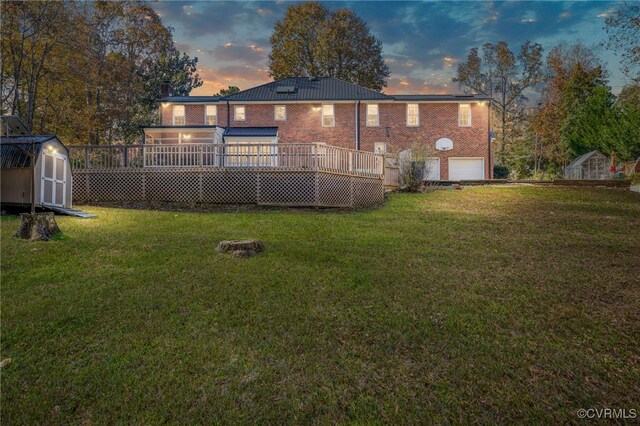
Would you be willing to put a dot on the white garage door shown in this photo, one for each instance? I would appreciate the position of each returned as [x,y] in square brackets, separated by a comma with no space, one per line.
[466,169]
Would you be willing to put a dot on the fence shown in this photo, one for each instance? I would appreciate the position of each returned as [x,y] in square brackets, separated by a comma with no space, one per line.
[318,157]
[272,174]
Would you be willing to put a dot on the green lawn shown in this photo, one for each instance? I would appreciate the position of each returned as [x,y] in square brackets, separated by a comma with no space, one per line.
[514,304]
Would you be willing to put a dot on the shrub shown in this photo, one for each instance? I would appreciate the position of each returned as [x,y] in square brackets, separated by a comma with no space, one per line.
[500,171]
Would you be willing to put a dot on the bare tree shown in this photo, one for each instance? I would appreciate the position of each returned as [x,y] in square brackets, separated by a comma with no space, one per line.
[504,77]
[623,28]
[415,167]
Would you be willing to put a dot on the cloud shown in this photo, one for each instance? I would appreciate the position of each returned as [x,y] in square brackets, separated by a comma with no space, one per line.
[252,53]
[422,41]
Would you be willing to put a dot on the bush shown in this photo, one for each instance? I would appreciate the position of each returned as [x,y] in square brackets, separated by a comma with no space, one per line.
[500,171]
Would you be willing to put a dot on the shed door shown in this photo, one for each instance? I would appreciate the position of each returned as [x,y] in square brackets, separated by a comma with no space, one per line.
[53,190]
[466,168]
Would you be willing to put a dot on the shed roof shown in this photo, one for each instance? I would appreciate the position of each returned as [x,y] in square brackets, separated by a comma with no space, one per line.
[584,157]
[13,157]
[251,131]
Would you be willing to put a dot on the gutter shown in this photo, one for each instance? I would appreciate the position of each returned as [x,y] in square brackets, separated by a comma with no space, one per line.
[357,125]
[489,140]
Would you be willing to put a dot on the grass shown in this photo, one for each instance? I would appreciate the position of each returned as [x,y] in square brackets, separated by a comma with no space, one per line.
[515,304]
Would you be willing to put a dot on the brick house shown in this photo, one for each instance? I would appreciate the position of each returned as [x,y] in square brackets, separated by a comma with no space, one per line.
[334,112]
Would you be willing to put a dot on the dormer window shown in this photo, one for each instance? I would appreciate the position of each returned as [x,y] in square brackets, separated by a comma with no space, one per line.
[178,115]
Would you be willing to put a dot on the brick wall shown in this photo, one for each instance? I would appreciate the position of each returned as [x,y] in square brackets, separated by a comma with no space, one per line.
[304,124]
[437,120]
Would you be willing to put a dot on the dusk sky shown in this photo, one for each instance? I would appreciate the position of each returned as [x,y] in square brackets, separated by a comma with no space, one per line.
[422,41]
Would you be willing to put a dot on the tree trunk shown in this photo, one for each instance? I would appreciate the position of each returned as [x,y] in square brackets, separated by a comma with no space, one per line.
[37,227]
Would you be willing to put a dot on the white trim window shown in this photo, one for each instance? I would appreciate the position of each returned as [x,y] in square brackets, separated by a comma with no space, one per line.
[328,116]
[211,115]
[239,113]
[280,112]
[178,115]
[464,115]
[373,115]
[413,115]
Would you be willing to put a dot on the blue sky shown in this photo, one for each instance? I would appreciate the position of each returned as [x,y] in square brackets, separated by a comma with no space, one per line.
[422,41]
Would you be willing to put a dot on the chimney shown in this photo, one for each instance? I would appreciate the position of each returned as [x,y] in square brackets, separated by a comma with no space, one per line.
[165,89]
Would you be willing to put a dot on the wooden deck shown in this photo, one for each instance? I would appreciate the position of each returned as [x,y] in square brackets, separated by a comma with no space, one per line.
[266,174]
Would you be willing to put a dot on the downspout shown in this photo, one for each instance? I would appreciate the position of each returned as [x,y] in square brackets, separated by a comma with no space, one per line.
[489,139]
[357,112]
[228,114]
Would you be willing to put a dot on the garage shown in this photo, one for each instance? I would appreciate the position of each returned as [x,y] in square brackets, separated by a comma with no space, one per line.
[466,168]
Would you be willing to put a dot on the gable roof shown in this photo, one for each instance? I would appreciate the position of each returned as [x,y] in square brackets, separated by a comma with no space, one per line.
[307,89]
[584,157]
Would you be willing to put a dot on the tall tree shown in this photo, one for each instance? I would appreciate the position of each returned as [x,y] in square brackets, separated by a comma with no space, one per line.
[623,28]
[311,40]
[88,71]
[572,73]
[504,76]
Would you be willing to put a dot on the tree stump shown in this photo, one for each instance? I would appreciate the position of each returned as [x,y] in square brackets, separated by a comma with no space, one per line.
[37,226]
[241,248]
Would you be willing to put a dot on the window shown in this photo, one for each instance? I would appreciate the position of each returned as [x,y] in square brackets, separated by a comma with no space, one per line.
[464,115]
[239,113]
[373,116]
[280,112]
[251,154]
[328,116]
[211,115]
[413,115]
[178,115]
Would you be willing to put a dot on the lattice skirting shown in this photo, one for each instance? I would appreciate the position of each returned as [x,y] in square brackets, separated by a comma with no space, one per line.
[267,187]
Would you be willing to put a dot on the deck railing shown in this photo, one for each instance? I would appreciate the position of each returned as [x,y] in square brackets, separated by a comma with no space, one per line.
[202,155]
